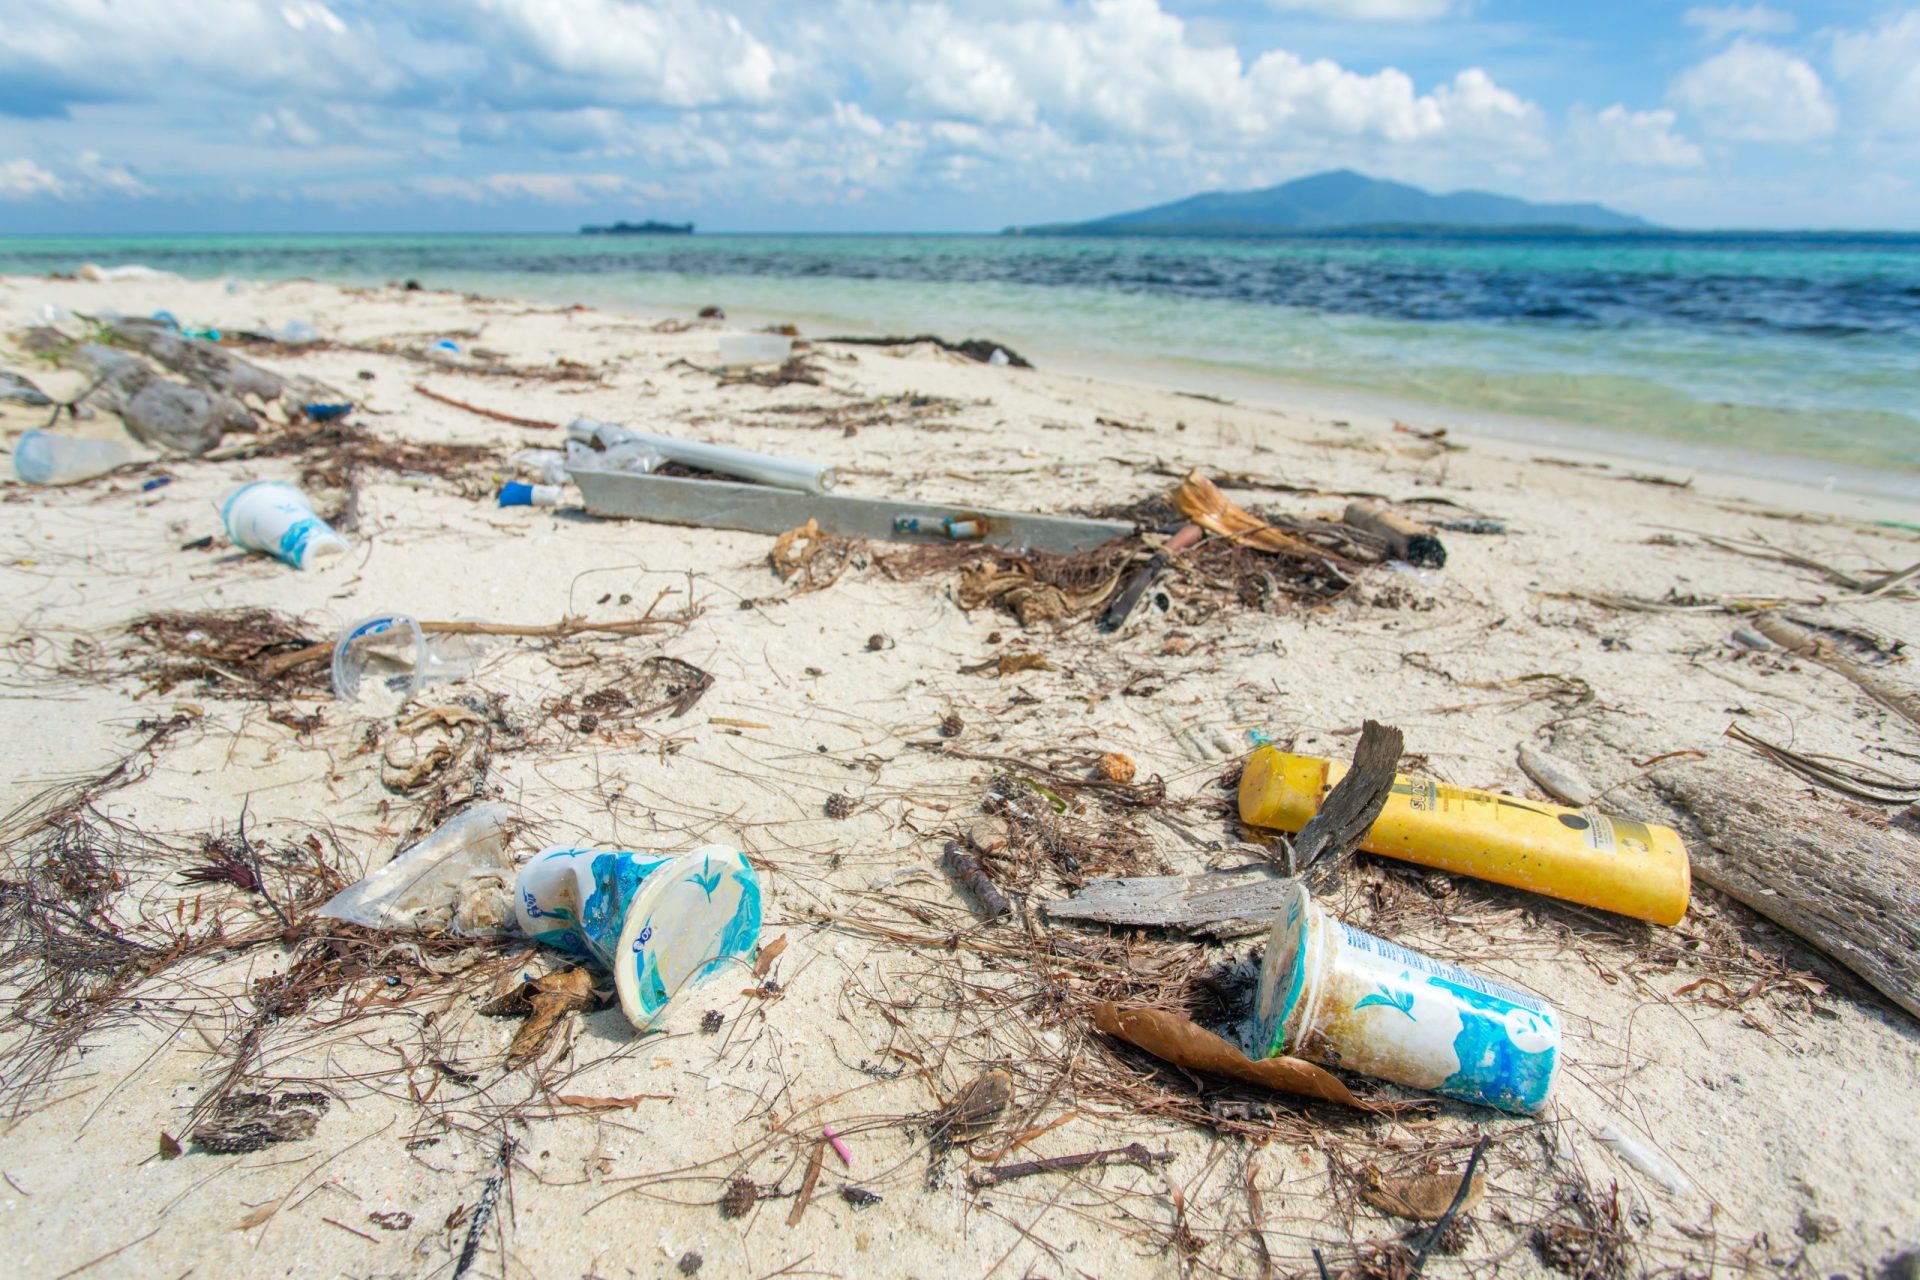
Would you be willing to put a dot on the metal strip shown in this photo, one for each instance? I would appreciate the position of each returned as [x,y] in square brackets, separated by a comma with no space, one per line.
[721,504]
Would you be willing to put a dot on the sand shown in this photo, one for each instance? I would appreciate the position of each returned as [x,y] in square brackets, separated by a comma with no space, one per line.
[1783,1089]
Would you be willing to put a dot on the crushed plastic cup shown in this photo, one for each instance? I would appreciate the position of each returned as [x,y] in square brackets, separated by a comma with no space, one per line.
[275,518]
[382,662]
[453,879]
[754,348]
[1334,994]
[658,922]
[40,457]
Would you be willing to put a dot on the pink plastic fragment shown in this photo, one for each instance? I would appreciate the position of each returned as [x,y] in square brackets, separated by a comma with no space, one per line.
[839,1147]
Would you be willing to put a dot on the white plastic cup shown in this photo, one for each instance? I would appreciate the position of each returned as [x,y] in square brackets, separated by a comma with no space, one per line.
[658,922]
[754,348]
[1340,996]
[276,518]
[39,457]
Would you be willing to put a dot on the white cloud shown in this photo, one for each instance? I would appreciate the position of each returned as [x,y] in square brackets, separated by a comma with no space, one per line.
[285,126]
[112,50]
[1369,10]
[548,188]
[87,175]
[22,179]
[1640,139]
[1125,70]
[675,53]
[1756,93]
[1717,22]
[1880,70]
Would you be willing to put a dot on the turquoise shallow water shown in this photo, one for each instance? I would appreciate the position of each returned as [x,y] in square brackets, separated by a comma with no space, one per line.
[1785,346]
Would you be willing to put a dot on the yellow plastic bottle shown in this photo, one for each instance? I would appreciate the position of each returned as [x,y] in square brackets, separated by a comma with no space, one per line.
[1616,864]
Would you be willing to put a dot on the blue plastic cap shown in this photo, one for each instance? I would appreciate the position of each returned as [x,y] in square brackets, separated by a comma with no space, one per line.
[516,494]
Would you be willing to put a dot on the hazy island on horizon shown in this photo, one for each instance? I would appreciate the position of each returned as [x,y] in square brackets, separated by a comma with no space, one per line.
[1342,200]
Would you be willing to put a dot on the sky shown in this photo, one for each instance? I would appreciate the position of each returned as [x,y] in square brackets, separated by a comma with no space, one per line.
[122,116]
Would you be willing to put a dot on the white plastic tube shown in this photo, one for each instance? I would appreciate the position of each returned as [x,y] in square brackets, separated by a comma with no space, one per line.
[764,468]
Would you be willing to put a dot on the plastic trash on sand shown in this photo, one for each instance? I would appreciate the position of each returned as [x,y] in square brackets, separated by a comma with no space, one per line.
[40,457]
[1334,994]
[382,662]
[754,348]
[454,880]
[659,922]
[275,518]
[763,468]
[518,494]
[1579,855]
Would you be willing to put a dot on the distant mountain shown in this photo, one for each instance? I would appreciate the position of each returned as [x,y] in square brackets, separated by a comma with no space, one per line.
[1340,200]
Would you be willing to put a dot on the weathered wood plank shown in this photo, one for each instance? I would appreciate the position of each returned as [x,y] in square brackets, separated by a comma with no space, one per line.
[1835,873]
[1218,904]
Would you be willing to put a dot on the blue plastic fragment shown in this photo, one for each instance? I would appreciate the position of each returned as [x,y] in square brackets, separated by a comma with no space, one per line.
[166,318]
[516,494]
[158,482]
[447,344]
[326,412]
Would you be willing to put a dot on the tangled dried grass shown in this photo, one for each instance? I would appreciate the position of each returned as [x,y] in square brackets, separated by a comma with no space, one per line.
[225,651]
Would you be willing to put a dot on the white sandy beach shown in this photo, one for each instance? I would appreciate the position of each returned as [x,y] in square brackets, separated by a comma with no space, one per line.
[1780,1085]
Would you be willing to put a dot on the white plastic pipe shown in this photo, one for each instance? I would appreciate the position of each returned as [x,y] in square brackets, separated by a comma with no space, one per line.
[765,468]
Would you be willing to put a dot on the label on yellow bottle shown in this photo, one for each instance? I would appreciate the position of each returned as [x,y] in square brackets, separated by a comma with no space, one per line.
[1598,860]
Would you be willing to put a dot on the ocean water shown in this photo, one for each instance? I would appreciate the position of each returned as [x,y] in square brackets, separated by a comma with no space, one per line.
[1772,346]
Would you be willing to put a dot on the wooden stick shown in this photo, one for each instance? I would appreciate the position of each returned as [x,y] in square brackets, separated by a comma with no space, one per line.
[965,868]
[808,1183]
[1806,643]
[495,414]
[1132,1153]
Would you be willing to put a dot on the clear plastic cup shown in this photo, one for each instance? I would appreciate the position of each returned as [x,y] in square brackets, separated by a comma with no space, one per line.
[382,662]
[40,457]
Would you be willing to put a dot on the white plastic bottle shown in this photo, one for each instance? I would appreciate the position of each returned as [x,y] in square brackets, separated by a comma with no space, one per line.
[39,457]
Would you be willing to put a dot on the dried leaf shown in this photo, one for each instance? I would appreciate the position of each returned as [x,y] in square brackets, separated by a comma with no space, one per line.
[794,549]
[1422,1198]
[594,1102]
[259,1215]
[1014,662]
[977,1106]
[1179,1041]
[169,1145]
[1201,501]
[547,1000]
[768,954]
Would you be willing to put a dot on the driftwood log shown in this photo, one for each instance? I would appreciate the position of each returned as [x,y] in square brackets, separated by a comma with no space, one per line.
[1408,539]
[1837,874]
